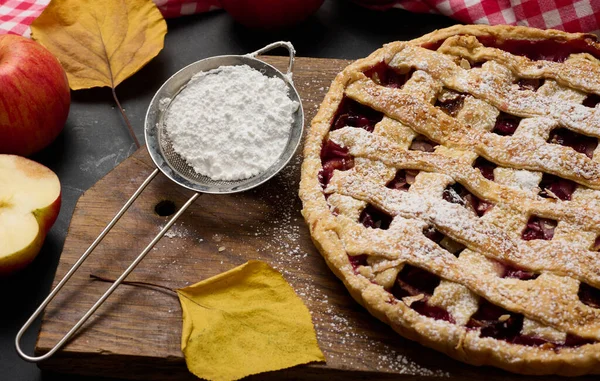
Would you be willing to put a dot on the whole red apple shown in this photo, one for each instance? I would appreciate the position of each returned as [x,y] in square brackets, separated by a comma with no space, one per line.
[270,14]
[30,199]
[34,96]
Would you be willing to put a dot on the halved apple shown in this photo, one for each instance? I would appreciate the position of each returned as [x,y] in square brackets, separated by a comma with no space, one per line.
[30,199]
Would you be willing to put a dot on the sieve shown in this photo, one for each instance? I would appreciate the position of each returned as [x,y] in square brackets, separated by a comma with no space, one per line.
[172,165]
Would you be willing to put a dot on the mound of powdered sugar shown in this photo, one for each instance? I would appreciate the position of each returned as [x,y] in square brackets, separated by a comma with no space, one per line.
[231,123]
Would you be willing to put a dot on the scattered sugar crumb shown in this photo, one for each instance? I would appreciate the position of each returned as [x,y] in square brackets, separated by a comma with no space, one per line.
[176,231]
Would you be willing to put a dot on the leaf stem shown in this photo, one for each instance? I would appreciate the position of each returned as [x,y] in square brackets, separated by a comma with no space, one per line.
[136,141]
[133,283]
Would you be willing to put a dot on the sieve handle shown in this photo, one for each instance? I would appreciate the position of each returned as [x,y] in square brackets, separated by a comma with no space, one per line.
[108,292]
[279,44]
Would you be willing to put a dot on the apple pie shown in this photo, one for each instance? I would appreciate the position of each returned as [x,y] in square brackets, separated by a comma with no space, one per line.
[452,183]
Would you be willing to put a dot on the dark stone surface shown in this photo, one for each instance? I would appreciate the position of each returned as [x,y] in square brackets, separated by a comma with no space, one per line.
[95,138]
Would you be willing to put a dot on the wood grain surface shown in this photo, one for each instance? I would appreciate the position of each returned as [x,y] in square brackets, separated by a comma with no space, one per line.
[136,333]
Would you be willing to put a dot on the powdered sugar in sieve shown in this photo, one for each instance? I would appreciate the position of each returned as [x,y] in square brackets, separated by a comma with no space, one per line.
[230,123]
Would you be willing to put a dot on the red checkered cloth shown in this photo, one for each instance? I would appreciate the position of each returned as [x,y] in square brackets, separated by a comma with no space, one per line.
[568,15]
[17,15]
[176,8]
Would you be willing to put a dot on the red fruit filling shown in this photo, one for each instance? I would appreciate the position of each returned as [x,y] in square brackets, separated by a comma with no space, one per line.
[384,75]
[451,106]
[596,245]
[422,143]
[434,312]
[580,143]
[403,180]
[555,187]
[519,273]
[371,217]
[357,260]
[546,50]
[443,241]
[530,83]
[498,323]
[485,167]
[413,281]
[477,64]
[353,114]
[506,124]
[433,234]
[575,341]
[457,194]
[589,295]
[333,156]
[539,228]
[591,100]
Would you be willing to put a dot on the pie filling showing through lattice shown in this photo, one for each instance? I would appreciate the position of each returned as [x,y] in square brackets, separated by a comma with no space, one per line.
[464,178]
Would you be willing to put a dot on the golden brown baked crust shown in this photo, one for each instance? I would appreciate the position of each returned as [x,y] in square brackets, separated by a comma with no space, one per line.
[549,306]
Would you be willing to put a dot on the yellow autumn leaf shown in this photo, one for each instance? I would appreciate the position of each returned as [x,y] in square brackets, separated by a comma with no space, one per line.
[100,42]
[245,321]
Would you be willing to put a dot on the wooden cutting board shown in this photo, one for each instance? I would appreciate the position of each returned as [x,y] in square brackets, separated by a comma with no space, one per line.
[136,333]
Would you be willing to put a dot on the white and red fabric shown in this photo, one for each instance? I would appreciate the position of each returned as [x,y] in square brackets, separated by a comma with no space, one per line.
[176,8]
[17,15]
[567,15]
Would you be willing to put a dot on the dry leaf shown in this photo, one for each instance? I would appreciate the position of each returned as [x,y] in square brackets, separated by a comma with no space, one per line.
[245,321]
[101,42]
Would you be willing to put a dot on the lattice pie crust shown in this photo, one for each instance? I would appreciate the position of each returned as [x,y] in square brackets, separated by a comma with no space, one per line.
[452,183]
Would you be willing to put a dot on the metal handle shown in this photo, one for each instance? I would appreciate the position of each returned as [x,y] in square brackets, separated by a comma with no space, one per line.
[285,44]
[112,287]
